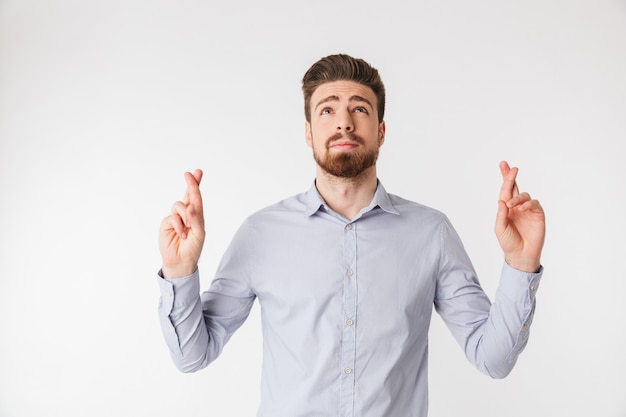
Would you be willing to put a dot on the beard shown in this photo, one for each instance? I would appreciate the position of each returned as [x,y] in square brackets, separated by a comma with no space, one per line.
[346,164]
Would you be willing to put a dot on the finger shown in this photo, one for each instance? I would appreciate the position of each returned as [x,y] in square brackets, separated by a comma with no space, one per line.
[518,200]
[533,205]
[509,186]
[504,168]
[180,209]
[191,215]
[193,195]
[197,174]
[501,218]
[195,219]
[174,222]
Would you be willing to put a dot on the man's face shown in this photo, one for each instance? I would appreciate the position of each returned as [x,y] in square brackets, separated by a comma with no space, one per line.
[344,131]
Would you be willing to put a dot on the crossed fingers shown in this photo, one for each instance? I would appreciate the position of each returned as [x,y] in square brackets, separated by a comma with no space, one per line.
[188,212]
[509,192]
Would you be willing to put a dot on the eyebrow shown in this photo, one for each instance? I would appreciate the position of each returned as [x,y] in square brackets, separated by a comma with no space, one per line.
[351,99]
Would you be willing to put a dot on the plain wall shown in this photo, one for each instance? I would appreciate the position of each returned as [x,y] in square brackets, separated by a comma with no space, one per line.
[104,105]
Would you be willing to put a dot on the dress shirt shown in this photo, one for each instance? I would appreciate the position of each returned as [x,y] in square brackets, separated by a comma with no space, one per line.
[346,306]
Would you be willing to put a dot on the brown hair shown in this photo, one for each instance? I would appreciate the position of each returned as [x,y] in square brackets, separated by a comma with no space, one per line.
[342,67]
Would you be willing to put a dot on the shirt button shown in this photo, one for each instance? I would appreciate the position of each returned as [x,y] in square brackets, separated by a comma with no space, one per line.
[349,272]
[348,371]
[349,227]
[524,328]
[533,287]
[349,322]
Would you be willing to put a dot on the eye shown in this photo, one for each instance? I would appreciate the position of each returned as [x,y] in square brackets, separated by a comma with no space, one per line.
[360,110]
[326,111]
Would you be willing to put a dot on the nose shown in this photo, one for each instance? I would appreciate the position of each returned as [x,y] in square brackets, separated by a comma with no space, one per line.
[345,122]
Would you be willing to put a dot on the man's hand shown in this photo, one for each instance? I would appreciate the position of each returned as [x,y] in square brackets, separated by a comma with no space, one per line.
[520,224]
[182,232]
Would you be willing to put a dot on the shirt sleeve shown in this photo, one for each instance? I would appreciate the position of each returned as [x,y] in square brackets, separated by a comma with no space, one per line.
[492,335]
[197,326]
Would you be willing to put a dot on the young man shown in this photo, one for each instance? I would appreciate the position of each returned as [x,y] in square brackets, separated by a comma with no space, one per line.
[347,274]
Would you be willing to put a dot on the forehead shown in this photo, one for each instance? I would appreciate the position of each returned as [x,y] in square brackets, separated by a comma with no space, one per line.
[343,89]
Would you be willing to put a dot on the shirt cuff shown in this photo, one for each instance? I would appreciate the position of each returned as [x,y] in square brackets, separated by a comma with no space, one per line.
[518,285]
[178,292]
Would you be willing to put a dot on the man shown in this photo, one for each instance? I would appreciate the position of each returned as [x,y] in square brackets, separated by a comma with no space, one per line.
[347,274]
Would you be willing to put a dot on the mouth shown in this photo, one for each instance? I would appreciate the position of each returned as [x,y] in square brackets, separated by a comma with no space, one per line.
[344,145]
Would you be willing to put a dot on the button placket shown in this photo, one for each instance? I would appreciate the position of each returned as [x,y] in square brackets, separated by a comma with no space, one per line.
[348,343]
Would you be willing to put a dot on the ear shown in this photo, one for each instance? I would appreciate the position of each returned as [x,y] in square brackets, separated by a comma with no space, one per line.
[309,134]
[382,128]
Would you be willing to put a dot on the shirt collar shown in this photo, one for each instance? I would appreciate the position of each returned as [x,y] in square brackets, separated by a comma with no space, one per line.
[314,201]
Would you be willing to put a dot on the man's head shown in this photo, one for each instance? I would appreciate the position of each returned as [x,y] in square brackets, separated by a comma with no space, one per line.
[342,67]
[344,106]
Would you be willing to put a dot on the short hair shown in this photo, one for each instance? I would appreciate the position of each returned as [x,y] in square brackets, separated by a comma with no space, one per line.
[342,67]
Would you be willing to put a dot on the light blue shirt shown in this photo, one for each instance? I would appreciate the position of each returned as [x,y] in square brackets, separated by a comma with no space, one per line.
[346,306]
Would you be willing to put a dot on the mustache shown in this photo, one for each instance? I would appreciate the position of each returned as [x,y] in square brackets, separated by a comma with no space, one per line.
[347,135]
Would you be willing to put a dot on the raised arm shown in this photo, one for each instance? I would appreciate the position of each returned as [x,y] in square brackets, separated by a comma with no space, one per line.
[182,233]
[520,224]
[197,326]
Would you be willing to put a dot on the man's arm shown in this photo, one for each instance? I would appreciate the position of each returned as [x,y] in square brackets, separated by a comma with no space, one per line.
[196,327]
[494,335]
[181,239]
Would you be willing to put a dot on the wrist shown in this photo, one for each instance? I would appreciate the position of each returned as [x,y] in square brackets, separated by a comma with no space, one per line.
[178,271]
[525,265]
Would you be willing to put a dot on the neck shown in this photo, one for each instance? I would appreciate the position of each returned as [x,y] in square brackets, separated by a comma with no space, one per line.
[347,196]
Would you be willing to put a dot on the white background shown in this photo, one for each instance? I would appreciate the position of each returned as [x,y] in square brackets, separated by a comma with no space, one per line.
[104,105]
